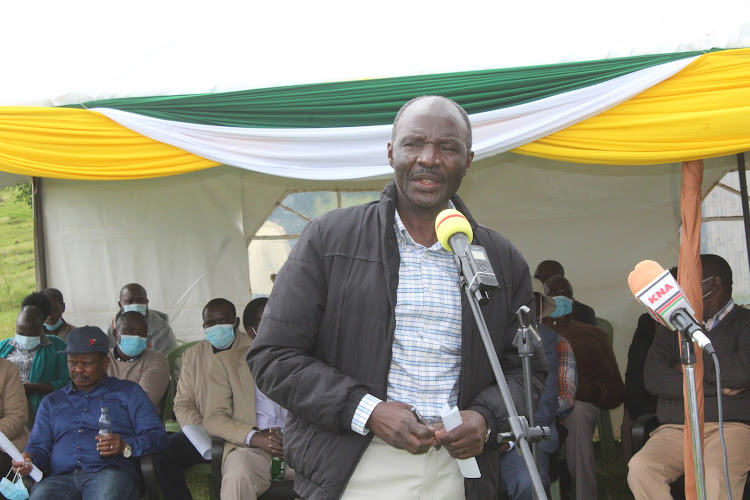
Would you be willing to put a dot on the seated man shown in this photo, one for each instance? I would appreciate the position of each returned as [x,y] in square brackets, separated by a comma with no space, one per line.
[220,323]
[55,323]
[581,312]
[661,460]
[42,368]
[130,360]
[13,410]
[65,442]
[600,386]
[249,422]
[133,297]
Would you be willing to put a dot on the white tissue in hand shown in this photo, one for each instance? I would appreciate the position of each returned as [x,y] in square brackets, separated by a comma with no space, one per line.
[452,419]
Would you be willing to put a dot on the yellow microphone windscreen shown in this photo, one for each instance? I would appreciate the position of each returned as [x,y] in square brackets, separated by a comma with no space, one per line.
[450,222]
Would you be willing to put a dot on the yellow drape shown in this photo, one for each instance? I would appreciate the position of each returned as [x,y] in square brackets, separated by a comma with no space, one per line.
[701,112]
[81,144]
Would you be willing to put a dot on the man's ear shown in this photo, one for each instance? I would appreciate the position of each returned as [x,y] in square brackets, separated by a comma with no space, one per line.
[119,304]
[390,154]
[63,307]
[236,323]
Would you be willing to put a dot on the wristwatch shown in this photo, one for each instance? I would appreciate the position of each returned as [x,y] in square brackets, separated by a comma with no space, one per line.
[128,451]
[487,437]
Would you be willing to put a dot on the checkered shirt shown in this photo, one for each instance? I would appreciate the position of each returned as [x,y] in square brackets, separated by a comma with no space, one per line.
[567,378]
[426,360]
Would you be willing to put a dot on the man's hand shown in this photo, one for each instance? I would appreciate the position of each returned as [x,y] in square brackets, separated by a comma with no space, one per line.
[394,423]
[270,440]
[466,440]
[23,468]
[110,445]
[732,392]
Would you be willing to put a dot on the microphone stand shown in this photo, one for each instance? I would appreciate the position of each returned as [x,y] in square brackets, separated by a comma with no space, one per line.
[521,433]
[687,357]
[526,339]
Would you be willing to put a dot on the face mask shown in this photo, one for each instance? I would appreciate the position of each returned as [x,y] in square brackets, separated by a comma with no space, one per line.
[132,345]
[564,307]
[220,336]
[52,328]
[141,308]
[27,343]
[13,490]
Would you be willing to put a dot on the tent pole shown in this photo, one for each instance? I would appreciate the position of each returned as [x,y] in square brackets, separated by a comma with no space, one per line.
[40,248]
[743,193]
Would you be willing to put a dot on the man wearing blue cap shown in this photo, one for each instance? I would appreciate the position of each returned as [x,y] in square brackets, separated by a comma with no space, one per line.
[65,442]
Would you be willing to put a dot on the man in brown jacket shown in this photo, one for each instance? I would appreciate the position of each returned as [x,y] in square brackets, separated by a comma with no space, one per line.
[14,411]
[221,324]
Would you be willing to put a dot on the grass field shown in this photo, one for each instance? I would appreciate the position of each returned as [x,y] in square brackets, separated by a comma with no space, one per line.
[16,258]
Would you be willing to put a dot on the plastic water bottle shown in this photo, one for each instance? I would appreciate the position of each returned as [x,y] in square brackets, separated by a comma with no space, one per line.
[105,424]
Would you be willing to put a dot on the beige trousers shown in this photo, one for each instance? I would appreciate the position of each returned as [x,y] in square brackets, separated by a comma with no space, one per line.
[660,461]
[385,472]
[246,473]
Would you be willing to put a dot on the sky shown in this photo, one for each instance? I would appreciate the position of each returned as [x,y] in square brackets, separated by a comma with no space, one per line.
[77,51]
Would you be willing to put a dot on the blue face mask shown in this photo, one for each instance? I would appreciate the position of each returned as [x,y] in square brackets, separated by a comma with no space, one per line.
[52,328]
[141,308]
[564,307]
[13,490]
[220,336]
[132,345]
[27,343]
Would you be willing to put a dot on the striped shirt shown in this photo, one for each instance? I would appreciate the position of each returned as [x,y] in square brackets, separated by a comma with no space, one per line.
[711,323]
[426,360]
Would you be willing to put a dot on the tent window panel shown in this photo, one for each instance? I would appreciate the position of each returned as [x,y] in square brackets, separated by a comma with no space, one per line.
[727,239]
[357,198]
[723,232]
[311,204]
[280,222]
[724,199]
[270,246]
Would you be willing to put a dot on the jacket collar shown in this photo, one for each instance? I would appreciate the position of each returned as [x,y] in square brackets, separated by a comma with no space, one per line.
[387,207]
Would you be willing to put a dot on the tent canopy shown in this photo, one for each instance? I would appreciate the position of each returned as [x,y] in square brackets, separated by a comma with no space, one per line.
[185,237]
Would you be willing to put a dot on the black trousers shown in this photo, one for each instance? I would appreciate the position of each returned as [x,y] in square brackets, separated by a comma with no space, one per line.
[170,467]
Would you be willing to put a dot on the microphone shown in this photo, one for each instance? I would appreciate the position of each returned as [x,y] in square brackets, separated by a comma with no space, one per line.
[453,231]
[658,291]
[454,234]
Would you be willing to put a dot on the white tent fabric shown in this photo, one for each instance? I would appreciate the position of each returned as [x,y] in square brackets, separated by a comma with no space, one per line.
[185,238]
[358,152]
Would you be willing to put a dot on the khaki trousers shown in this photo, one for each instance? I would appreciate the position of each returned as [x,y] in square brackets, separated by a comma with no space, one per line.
[661,461]
[579,449]
[385,472]
[246,473]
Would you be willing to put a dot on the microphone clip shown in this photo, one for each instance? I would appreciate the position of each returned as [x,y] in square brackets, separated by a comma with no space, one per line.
[476,269]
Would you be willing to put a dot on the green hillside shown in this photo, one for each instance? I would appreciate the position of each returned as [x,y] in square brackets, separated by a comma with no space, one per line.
[16,257]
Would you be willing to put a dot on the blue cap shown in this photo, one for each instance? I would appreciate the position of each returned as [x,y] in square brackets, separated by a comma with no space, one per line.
[86,339]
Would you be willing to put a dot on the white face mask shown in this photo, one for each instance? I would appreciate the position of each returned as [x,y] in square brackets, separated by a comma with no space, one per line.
[141,308]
